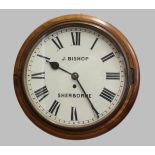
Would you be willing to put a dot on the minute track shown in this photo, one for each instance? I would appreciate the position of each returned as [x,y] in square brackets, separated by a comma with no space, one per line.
[60,78]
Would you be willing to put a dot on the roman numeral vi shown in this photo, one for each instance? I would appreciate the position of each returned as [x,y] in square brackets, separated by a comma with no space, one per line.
[73,114]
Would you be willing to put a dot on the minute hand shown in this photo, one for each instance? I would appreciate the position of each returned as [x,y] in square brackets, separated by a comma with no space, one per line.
[96,112]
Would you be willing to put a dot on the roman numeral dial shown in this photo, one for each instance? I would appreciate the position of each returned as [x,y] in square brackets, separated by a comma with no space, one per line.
[41,93]
[107,94]
[75,76]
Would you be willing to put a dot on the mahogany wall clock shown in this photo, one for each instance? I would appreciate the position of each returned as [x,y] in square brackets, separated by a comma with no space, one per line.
[76,76]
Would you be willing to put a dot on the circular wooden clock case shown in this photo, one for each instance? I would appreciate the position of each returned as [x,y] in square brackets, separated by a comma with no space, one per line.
[76,76]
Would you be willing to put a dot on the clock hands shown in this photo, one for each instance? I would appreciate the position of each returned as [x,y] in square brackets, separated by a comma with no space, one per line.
[55,65]
[74,76]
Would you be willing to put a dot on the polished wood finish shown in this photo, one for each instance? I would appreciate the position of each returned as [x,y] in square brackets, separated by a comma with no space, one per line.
[123,45]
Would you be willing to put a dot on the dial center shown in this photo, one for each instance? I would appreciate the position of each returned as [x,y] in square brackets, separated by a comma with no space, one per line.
[75,76]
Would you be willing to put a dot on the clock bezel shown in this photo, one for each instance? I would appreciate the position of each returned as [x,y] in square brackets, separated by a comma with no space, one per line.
[111,121]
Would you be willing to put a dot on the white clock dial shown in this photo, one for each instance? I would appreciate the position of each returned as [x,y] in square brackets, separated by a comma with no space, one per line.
[56,93]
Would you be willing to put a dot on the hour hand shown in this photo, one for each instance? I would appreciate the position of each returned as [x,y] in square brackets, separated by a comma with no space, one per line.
[55,66]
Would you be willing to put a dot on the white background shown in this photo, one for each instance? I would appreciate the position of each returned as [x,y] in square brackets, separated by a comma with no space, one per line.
[85,4]
[136,129]
[77,4]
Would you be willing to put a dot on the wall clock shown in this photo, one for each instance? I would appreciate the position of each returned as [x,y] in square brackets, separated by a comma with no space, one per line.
[76,76]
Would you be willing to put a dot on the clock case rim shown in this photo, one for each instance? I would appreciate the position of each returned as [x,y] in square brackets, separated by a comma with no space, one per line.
[113,35]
